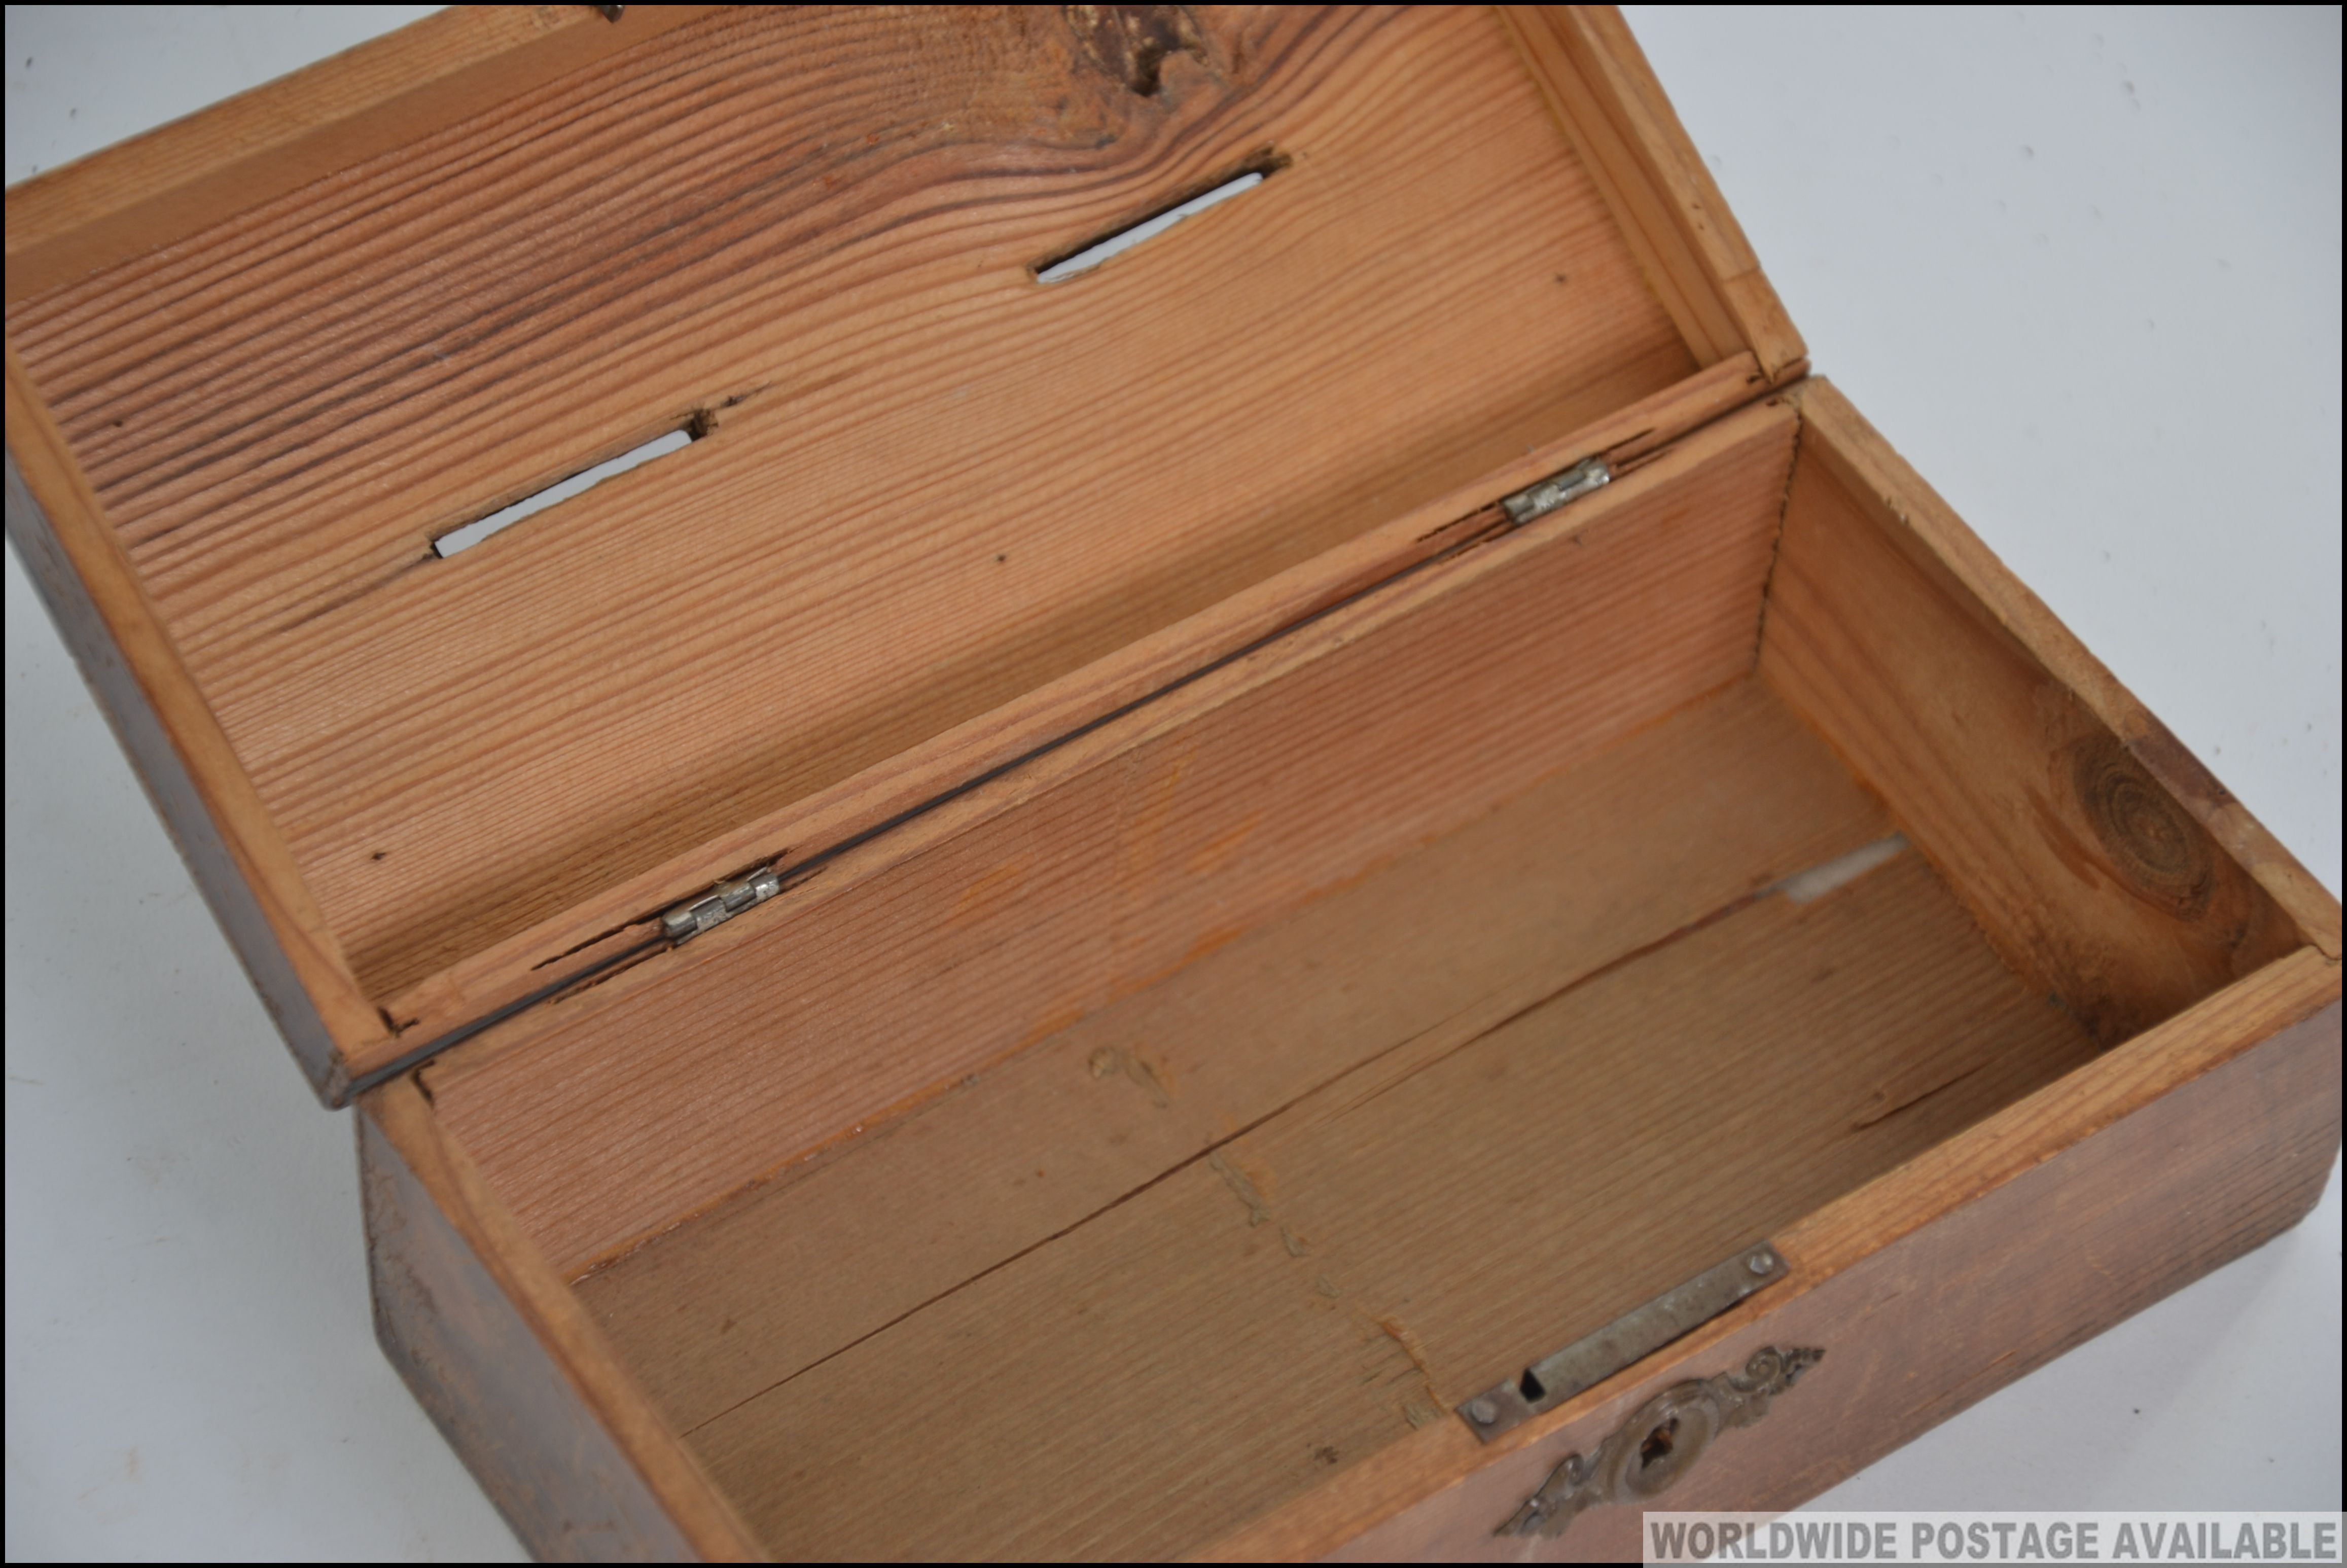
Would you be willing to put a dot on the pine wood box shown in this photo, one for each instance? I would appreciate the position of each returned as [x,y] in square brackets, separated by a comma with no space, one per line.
[1251,923]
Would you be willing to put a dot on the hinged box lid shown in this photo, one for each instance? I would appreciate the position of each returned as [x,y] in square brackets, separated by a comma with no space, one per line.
[970,373]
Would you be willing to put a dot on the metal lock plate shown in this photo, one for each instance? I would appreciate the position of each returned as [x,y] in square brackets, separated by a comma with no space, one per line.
[1638,1333]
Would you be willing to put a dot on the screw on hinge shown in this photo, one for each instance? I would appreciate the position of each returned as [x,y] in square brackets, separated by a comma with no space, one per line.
[610,13]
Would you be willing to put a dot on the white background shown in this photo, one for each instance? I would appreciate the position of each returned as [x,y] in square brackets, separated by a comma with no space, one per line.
[2083,268]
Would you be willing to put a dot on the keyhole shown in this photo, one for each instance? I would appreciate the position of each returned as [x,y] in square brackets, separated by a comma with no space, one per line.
[1657,1446]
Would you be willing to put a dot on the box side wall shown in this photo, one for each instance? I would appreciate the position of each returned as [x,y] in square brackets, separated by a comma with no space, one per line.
[233,851]
[2105,864]
[517,1403]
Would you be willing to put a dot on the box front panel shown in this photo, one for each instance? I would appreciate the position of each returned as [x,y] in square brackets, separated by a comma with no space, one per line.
[1936,1320]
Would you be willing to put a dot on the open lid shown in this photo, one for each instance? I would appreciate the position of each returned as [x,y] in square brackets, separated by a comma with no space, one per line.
[909,451]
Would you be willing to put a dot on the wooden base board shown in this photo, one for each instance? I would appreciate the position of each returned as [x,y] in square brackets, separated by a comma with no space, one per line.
[1187,1260]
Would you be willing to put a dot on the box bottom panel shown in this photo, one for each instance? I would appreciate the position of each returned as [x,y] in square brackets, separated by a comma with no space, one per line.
[1187,1260]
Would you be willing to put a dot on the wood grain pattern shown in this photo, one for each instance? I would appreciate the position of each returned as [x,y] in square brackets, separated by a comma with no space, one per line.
[1899,501]
[1000,920]
[233,850]
[1672,825]
[1931,1287]
[516,1377]
[154,190]
[1299,1112]
[173,790]
[623,914]
[1605,98]
[2095,880]
[888,532]
[1233,1333]
[2258,1147]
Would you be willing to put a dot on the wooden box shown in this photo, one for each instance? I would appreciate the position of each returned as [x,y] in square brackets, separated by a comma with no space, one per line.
[1349,884]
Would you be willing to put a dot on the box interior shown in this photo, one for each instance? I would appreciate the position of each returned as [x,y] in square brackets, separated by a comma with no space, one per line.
[1178,1264]
[1592,907]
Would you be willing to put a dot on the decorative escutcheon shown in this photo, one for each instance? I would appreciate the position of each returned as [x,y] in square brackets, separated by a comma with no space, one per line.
[1660,1442]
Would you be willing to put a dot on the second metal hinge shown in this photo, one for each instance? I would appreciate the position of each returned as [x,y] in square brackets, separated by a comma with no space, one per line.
[719,905]
[1539,500]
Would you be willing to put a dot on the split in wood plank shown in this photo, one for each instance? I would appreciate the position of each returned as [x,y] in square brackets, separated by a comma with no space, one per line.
[1319,1285]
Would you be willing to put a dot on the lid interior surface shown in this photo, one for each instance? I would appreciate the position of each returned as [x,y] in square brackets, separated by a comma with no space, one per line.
[923,482]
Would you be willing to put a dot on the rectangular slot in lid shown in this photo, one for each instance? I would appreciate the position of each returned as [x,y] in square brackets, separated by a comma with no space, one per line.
[1100,251]
[463,538]
[929,487]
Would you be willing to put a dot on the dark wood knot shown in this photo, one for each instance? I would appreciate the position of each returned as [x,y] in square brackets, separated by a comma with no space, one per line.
[1132,43]
[2150,838]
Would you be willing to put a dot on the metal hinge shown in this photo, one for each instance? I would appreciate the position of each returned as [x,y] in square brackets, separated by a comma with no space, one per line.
[1539,500]
[719,905]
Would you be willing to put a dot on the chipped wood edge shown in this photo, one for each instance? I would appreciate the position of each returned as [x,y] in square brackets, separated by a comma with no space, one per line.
[240,861]
[620,918]
[1836,434]
[1605,98]
[159,188]
[2303,989]
[673,1480]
